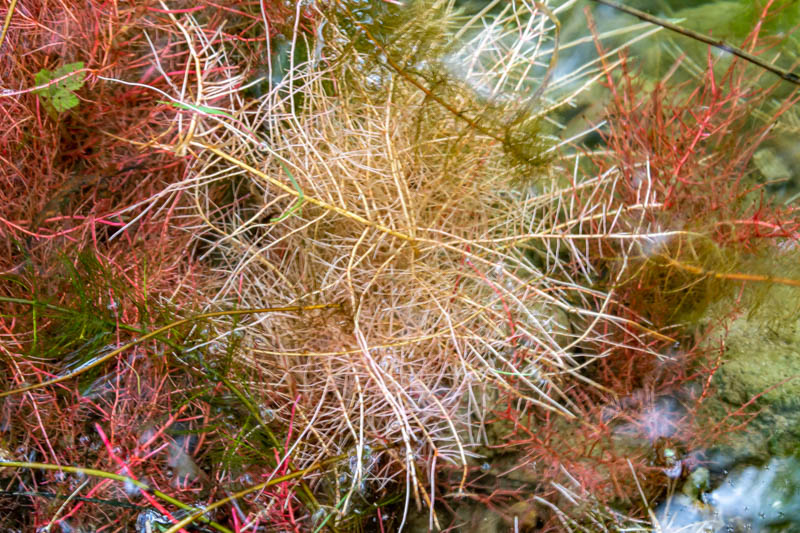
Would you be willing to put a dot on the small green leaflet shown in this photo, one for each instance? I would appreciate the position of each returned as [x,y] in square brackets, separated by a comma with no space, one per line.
[300,196]
[199,108]
[60,96]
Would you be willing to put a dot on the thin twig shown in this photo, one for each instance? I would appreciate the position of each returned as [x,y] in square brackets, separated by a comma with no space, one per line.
[717,43]
[7,21]
[117,477]
[255,488]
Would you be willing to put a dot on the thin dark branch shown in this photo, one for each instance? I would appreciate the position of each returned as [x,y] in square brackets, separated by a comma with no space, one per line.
[716,43]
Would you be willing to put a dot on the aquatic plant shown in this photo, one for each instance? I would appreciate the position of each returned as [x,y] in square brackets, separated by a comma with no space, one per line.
[679,160]
[82,276]
[376,291]
[424,182]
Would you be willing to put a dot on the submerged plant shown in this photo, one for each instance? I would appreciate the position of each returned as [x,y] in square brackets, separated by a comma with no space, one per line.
[677,159]
[424,177]
[399,300]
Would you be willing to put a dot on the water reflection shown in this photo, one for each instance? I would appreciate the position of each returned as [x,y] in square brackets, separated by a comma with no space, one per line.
[750,498]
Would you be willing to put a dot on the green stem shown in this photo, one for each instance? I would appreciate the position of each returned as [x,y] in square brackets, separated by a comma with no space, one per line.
[155,333]
[125,479]
[288,477]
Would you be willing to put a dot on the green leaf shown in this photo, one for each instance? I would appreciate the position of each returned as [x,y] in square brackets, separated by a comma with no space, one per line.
[73,83]
[60,96]
[42,77]
[63,100]
[199,108]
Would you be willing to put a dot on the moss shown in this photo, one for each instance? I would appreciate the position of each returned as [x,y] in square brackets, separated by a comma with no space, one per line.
[761,360]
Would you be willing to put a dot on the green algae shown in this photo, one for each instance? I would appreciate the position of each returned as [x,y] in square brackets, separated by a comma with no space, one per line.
[760,363]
